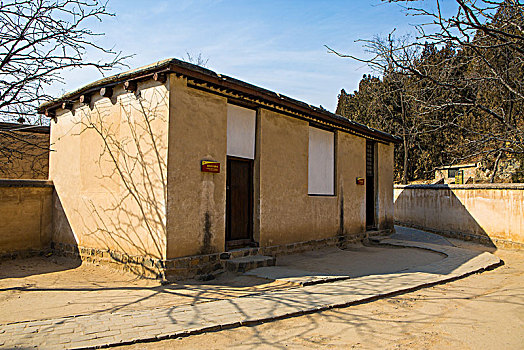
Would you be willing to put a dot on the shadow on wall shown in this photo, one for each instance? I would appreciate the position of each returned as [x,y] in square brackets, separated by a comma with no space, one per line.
[26,226]
[24,151]
[115,211]
[63,239]
[436,208]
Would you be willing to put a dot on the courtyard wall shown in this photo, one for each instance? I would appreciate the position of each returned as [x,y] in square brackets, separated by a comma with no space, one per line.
[25,151]
[25,216]
[490,213]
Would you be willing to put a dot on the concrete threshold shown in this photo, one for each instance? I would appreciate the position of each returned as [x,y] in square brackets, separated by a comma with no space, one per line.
[129,327]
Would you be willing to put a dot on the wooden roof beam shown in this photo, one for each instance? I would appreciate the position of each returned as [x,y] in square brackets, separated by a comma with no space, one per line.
[106,91]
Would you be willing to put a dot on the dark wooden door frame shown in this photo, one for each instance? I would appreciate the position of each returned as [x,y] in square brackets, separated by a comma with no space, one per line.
[248,241]
[370,185]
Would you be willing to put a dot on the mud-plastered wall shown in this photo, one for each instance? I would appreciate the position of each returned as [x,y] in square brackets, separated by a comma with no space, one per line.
[196,199]
[109,168]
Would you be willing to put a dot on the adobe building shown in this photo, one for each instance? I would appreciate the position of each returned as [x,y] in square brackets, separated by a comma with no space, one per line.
[171,168]
[457,174]
[24,151]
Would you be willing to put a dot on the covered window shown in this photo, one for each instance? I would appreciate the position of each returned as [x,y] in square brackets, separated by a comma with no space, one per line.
[241,132]
[321,162]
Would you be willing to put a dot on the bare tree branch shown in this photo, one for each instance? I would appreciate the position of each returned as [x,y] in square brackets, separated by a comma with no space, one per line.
[40,39]
[462,73]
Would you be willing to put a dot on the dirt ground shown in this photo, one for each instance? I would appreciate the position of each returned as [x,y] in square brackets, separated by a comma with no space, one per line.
[57,287]
[482,311]
[53,290]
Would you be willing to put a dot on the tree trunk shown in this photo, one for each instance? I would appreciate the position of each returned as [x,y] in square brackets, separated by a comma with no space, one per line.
[406,159]
[492,178]
[405,141]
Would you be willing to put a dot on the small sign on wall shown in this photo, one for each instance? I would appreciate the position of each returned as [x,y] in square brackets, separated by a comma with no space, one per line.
[360,180]
[209,166]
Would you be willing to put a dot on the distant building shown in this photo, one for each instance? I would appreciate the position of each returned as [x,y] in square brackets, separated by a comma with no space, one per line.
[456,174]
[24,151]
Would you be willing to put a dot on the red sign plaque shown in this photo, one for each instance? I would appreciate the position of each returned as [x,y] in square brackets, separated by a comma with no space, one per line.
[360,180]
[208,166]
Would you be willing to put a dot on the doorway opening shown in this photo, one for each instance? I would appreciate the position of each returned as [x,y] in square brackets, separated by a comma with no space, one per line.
[370,185]
[239,203]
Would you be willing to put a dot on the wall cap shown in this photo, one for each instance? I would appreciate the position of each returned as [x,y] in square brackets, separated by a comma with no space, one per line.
[25,183]
[499,186]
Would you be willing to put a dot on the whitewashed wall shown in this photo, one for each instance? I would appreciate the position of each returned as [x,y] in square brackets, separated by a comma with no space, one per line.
[321,162]
[241,132]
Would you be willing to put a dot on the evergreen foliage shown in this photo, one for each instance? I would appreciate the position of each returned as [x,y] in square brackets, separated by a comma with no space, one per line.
[454,95]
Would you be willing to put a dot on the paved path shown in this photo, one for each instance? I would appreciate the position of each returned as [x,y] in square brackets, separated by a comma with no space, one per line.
[309,277]
[300,277]
[412,234]
[105,329]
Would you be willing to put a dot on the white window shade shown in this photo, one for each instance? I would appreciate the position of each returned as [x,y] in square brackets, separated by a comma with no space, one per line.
[321,162]
[240,132]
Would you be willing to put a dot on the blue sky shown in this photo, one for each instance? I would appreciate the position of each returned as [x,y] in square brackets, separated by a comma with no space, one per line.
[278,45]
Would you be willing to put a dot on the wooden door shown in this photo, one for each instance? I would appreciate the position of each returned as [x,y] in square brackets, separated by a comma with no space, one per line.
[370,185]
[239,202]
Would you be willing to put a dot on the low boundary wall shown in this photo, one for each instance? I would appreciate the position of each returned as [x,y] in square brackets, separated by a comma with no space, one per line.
[491,214]
[25,216]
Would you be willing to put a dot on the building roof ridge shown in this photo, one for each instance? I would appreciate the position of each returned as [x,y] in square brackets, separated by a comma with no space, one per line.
[205,75]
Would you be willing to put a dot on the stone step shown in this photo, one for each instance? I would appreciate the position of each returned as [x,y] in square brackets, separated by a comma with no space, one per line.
[250,262]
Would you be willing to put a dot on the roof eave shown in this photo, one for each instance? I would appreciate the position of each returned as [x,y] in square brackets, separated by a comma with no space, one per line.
[208,76]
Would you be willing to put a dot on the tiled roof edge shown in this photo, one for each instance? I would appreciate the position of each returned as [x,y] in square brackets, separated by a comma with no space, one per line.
[190,70]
